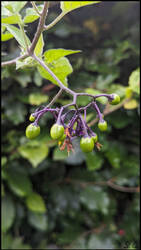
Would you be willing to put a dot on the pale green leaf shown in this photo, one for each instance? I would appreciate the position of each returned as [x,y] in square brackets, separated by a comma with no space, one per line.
[95,199]
[93,161]
[17,33]
[39,46]
[59,155]
[31,15]
[34,151]
[38,221]
[6,36]
[61,68]
[8,213]
[134,81]
[37,98]
[131,104]
[15,19]
[68,6]
[14,6]
[54,54]
[35,203]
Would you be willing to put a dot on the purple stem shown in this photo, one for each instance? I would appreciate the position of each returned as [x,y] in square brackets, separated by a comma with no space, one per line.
[98,111]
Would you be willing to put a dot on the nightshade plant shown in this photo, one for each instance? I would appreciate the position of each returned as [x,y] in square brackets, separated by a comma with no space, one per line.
[32,56]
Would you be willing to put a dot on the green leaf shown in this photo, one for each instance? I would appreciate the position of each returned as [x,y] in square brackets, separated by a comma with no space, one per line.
[39,46]
[61,68]
[31,15]
[38,221]
[6,241]
[91,91]
[14,19]
[59,155]
[19,183]
[6,36]
[3,160]
[17,33]
[93,161]
[68,6]
[118,89]
[115,154]
[134,81]
[13,6]
[34,151]
[37,98]
[54,54]
[95,199]
[8,213]
[35,203]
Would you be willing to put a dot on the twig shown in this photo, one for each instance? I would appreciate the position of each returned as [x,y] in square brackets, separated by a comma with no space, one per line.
[35,8]
[58,18]
[39,28]
[55,98]
[13,61]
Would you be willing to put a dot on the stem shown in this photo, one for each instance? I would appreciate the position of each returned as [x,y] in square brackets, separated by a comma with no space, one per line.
[84,126]
[35,8]
[39,28]
[98,111]
[55,98]
[58,18]
[13,61]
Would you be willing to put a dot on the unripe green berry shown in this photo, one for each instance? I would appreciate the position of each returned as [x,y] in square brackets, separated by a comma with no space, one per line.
[32,118]
[116,99]
[86,144]
[56,131]
[32,131]
[63,137]
[102,125]
[95,138]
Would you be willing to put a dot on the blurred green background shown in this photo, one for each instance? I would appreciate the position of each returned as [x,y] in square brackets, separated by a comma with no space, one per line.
[50,200]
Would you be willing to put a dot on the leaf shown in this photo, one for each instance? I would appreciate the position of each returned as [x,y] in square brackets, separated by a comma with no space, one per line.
[34,152]
[39,46]
[115,154]
[95,199]
[118,89]
[93,161]
[3,160]
[19,183]
[54,54]
[13,6]
[6,241]
[14,19]
[131,104]
[38,221]
[31,15]
[61,68]
[8,213]
[35,203]
[59,155]
[68,6]
[37,98]
[6,36]
[91,91]
[134,81]
[17,33]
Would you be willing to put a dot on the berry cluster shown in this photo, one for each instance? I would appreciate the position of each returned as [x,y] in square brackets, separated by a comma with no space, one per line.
[65,131]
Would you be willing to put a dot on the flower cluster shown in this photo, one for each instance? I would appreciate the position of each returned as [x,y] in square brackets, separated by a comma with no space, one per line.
[65,131]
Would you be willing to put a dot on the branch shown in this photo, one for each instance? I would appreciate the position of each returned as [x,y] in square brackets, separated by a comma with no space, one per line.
[40,27]
[13,61]
[108,111]
[35,8]
[58,18]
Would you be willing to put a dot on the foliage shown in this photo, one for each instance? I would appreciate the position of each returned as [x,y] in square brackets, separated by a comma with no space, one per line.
[49,199]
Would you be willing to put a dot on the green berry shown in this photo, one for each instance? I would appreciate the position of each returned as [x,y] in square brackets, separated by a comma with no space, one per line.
[95,138]
[32,118]
[116,99]
[102,125]
[86,144]
[56,131]
[63,137]
[32,131]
